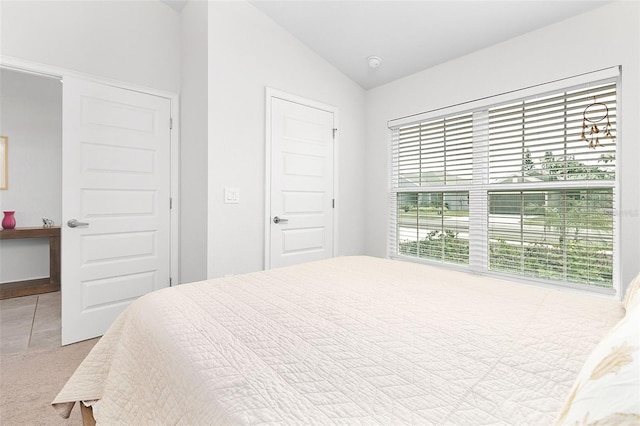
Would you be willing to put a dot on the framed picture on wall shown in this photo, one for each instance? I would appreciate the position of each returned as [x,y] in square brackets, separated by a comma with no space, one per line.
[4,162]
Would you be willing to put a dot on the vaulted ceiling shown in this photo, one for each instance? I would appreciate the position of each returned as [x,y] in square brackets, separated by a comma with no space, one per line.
[408,36]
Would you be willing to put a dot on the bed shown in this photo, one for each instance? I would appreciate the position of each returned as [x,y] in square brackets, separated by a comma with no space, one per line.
[348,340]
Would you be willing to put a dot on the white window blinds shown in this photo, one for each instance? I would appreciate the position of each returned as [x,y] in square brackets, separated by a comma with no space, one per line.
[435,153]
[525,187]
[560,235]
[541,138]
[431,221]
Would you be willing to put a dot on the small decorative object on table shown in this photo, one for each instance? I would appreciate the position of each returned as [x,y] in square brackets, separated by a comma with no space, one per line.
[8,221]
[47,223]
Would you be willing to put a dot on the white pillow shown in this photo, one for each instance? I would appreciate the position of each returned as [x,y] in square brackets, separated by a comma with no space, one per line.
[607,390]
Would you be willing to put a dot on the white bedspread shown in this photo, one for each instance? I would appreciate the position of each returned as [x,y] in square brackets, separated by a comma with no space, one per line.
[353,340]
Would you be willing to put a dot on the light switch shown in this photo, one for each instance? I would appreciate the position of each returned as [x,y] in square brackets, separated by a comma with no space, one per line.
[231,195]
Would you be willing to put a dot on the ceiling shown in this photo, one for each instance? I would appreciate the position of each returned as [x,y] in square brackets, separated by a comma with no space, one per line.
[409,36]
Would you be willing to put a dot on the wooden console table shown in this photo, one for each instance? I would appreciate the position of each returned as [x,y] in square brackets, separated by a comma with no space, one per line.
[40,285]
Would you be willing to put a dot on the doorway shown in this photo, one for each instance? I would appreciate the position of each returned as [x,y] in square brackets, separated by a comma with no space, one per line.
[31,120]
[107,158]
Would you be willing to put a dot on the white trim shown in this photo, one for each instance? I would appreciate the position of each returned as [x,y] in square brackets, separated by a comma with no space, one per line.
[618,285]
[44,70]
[478,204]
[17,64]
[392,196]
[270,94]
[175,191]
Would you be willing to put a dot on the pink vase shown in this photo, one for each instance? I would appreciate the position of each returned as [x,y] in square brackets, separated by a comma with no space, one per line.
[8,221]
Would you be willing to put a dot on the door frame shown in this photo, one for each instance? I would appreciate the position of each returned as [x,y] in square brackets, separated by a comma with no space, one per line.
[20,65]
[270,94]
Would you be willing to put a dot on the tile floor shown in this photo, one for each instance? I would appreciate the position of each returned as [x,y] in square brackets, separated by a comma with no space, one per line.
[29,323]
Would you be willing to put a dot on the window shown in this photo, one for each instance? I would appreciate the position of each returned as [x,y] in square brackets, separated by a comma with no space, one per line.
[560,235]
[512,188]
[434,225]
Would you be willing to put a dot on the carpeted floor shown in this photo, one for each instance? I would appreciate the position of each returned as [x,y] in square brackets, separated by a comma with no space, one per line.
[29,381]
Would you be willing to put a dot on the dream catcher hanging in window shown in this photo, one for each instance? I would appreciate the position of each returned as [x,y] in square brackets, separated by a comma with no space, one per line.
[594,114]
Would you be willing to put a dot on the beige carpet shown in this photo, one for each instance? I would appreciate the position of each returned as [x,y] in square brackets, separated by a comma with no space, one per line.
[29,382]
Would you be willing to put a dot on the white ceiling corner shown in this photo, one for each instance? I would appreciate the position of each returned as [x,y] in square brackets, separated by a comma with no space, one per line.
[410,36]
[176,5]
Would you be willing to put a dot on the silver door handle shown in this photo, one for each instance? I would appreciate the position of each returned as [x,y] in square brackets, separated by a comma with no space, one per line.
[280,220]
[73,223]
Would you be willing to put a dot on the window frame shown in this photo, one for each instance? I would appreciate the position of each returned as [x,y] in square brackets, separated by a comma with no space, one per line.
[480,187]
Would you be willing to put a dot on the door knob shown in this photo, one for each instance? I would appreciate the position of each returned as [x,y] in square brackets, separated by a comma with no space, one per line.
[280,220]
[73,223]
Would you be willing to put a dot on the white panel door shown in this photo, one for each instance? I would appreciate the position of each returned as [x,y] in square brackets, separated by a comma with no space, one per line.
[301,205]
[116,187]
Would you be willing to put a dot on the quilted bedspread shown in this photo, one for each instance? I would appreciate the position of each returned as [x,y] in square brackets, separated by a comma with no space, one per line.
[352,340]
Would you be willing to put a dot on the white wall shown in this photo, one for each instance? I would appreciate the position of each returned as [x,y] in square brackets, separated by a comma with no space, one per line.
[134,41]
[601,38]
[193,143]
[31,117]
[247,52]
